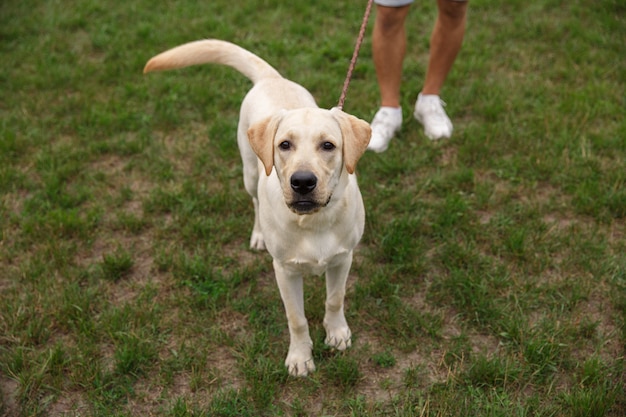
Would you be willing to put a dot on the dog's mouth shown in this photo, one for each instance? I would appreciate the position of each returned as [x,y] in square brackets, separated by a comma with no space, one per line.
[306,206]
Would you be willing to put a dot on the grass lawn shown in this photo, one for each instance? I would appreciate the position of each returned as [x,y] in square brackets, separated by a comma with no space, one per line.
[491,279]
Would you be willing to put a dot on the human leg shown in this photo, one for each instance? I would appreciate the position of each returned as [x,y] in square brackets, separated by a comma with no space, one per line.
[388,49]
[445,44]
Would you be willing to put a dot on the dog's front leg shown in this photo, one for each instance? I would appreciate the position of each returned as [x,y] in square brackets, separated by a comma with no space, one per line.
[338,333]
[299,360]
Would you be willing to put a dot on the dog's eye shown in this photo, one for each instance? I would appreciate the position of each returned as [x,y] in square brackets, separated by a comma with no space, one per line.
[285,145]
[328,146]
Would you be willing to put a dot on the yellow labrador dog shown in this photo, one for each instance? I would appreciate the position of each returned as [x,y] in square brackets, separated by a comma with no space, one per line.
[298,167]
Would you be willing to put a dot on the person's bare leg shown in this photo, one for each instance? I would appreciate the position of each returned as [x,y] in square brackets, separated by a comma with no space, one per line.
[445,43]
[388,49]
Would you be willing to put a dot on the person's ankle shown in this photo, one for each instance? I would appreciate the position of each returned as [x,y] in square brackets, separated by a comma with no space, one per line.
[425,96]
[392,109]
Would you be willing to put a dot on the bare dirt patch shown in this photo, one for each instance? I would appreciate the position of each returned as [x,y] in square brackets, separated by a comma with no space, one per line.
[8,396]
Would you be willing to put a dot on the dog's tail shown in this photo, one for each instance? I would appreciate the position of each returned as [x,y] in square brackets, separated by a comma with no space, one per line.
[213,51]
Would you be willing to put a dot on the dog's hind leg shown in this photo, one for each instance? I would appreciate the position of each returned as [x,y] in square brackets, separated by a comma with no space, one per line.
[251,183]
[256,239]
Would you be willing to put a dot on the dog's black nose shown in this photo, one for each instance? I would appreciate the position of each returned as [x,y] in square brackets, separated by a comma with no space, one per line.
[303,182]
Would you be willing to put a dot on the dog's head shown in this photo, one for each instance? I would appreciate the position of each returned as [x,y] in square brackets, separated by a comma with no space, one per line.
[310,149]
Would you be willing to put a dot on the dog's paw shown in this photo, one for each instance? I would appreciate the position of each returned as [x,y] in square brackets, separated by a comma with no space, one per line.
[299,365]
[339,338]
[338,334]
[256,241]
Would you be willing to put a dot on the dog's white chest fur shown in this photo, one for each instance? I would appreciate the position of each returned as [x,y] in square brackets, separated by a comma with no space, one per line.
[311,266]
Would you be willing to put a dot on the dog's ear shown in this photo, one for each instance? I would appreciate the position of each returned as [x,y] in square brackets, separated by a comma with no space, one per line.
[261,138]
[356,136]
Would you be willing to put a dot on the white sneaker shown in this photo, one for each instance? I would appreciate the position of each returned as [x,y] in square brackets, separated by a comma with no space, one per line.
[385,124]
[430,113]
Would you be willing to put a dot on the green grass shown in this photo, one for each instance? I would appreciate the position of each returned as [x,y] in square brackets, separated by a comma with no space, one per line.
[491,279]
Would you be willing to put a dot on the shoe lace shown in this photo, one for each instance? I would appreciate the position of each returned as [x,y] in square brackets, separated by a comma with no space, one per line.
[436,107]
[383,122]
